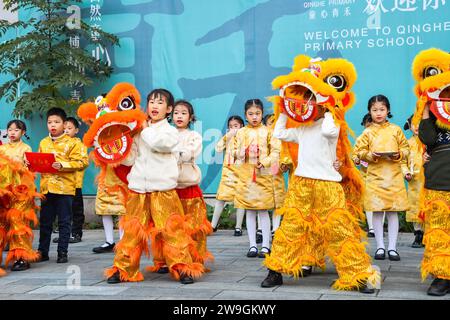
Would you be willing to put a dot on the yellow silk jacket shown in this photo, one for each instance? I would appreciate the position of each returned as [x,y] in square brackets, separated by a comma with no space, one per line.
[385,188]
[69,153]
[15,151]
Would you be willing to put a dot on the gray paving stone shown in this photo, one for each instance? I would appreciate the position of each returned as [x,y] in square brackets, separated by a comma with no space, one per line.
[82,290]
[233,276]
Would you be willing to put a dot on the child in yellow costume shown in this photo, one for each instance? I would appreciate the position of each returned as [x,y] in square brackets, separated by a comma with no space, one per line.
[17,208]
[154,210]
[189,177]
[384,146]
[228,180]
[431,70]
[114,119]
[318,218]
[413,165]
[256,152]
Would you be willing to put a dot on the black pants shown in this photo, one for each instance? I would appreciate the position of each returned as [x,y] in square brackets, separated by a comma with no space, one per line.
[55,205]
[77,214]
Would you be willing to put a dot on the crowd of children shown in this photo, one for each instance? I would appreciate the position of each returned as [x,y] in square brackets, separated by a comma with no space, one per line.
[166,205]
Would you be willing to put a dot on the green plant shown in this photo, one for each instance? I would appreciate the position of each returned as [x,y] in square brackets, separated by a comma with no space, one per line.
[227,218]
[42,61]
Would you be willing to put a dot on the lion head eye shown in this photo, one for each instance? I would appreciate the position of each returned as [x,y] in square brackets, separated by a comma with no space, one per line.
[337,81]
[126,104]
[431,71]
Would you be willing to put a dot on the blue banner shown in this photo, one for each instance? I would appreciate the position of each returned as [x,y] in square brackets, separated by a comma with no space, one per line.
[218,54]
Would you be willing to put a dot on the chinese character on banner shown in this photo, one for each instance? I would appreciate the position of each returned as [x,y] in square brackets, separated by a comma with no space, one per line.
[347,12]
[74,41]
[100,52]
[312,15]
[75,94]
[374,6]
[404,5]
[95,34]
[96,15]
[432,3]
[335,13]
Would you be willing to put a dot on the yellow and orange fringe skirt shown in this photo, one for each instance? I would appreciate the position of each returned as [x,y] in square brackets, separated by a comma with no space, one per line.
[157,217]
[317,223]
[435,212]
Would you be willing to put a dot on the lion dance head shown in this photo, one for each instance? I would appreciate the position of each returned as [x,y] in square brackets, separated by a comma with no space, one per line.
[431,70]
[114,119]
[311,85]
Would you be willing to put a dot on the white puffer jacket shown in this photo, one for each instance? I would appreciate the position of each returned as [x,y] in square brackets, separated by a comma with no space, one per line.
[189,148]
[153,159]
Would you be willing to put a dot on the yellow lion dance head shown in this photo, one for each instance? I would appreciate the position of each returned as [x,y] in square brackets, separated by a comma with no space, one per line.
[314,84]
[431,70]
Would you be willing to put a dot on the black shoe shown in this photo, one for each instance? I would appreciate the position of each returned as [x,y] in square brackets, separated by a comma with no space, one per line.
[418,239]
[365,289]
[55,240]
[20,265]
[185,279]
[371,234]
[393,257]
[115,278]
[109,248]
[262,254]
[163,270]
[62,257]
[380,254]
[252,253]
[56,230]
[439,287]
[306,271]
[42,257]
[75,239]
[273,279]
[237,232]
[259,237]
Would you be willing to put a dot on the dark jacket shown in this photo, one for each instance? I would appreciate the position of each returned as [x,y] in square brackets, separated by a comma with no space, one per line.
[437,140]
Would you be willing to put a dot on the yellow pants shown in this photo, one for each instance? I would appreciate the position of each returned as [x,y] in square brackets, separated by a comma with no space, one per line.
[316,223]
[436,257]
[159,217]
[15,229]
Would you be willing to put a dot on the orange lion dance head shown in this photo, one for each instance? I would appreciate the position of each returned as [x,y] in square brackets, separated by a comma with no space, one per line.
[114,119]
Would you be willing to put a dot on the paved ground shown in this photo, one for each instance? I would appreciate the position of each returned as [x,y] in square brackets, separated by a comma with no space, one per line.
[233,276]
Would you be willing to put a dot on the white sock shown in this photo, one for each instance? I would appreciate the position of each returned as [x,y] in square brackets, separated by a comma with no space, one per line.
[108,226]
[276,221]
[250,220]
[121,232]
[258,218]
[417,226]
[265,227]
[369,217]
[378,228]
[218,209]
[392,229]
[239,218]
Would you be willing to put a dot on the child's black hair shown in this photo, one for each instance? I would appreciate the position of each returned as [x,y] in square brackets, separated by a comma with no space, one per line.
[267,117]
[384,100]
[57,112]
[157,93]
[190,108]
[366,119]
[407,125]
[236,118]
[254,103]
[20,125]
[74,121]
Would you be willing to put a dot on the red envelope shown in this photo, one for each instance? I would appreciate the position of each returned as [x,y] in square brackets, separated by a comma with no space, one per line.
[41,162]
